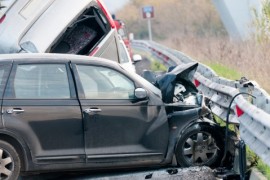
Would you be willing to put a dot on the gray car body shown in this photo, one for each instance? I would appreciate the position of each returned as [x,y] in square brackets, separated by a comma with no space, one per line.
[40,24]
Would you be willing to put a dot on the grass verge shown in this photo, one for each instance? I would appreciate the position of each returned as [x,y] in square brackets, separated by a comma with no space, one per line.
[224,71]
[258,163]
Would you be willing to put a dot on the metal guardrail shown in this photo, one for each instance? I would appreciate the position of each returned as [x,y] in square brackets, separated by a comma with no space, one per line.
[252,114]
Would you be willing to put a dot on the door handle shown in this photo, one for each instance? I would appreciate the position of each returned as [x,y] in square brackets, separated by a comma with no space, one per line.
[18,110]
[94,110]
[87,115]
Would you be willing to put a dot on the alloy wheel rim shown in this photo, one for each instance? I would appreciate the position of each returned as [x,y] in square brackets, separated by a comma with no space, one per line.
[200,148]
[6,164]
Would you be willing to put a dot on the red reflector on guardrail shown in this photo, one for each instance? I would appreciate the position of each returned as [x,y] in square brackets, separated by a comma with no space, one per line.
[196,82]
[239,111]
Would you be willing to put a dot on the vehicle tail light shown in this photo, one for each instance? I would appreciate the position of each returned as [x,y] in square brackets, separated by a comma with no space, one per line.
[2,18]
[106,12]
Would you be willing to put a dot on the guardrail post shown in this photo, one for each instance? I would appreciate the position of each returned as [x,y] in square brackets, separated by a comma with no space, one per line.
[242,160]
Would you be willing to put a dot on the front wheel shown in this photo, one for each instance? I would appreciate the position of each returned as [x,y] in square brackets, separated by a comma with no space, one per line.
[200,145]
[10,163]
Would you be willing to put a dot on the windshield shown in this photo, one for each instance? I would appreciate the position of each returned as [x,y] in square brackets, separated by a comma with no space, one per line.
[147,84]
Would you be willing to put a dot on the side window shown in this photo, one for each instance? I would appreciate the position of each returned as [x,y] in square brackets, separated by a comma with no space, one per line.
[123,54]
[41,81]
[105,83]
[4,71]
[1,74]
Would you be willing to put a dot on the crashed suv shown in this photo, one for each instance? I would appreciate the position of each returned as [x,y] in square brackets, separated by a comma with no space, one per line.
[82,27]
[69,112]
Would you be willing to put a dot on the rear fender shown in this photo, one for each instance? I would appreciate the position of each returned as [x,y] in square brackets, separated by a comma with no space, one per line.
[20,145]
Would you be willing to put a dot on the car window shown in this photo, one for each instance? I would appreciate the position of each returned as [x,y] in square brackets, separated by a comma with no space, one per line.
[1,74]
[41,81]
[147,84]
[4,71]
[105,83]
[84,33]
[123,54]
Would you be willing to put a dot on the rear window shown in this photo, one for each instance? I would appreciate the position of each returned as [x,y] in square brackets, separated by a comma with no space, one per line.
[5,5]
[84,34]
[123,53]
[4,72]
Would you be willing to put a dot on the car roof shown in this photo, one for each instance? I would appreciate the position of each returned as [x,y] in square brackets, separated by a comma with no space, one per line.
[58,58]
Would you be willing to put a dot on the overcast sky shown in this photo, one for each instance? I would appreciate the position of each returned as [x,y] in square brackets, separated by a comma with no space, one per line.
[113,5]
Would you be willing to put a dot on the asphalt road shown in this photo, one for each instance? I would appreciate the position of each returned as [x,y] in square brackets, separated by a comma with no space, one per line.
[193,173]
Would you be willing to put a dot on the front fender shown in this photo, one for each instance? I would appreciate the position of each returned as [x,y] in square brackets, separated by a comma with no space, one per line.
[180,120]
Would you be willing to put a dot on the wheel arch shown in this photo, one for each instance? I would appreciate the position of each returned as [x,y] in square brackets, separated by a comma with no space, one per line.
[205,125]
[198,122]
[20,146]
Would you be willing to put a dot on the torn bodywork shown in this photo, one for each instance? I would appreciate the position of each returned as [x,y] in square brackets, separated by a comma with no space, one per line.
[196,137]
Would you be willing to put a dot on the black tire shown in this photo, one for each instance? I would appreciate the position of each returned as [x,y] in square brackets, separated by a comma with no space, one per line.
[10,162]
[200,145]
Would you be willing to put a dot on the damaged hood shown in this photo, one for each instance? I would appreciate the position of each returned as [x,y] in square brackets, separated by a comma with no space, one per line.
[182,74]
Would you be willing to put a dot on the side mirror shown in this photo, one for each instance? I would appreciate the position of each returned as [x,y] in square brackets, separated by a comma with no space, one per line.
[136,58]
[140,93]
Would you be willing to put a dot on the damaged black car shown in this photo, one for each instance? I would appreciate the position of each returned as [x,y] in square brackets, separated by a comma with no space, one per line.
[67,112]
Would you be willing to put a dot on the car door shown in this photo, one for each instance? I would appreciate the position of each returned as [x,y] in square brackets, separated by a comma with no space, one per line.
[40,106]
[119,128]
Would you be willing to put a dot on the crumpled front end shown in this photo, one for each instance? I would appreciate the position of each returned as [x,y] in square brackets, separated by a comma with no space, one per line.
[180,76]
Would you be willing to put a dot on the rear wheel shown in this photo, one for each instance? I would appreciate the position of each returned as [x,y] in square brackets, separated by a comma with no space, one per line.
[200,145]
[10,163]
